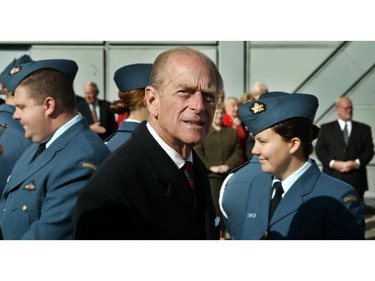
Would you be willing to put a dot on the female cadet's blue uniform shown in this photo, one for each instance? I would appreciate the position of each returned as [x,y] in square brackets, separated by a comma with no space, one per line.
[320,207]
[316,206]
[122,134]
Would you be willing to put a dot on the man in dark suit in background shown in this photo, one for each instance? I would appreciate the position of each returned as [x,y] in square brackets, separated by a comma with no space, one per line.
[97,112]
[345,147]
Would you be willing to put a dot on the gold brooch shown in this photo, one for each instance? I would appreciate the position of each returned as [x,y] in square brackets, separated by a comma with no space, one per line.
[15,70]
[258,108]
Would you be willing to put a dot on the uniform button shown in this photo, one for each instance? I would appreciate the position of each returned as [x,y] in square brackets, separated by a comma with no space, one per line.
[24,207]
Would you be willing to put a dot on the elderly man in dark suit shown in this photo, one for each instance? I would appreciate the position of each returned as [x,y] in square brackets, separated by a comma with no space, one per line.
[97,112]
[141,191]
[345,147]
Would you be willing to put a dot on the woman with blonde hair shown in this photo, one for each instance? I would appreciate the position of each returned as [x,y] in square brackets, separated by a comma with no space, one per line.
[231,119]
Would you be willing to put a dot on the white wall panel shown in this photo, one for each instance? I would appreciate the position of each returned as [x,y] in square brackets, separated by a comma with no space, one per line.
[90,62]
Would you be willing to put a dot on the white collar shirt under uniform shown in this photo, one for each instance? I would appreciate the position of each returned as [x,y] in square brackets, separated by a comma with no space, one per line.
[290,180]
[63,128]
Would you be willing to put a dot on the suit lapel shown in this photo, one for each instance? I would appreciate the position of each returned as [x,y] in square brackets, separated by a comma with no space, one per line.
[102,112]
[256,214]
[177,190]
[25,167]
[354,133]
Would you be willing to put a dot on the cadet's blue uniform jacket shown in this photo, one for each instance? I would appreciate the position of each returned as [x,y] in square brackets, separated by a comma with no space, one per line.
[39,198]
[13,141]
[122,134]
[316,206]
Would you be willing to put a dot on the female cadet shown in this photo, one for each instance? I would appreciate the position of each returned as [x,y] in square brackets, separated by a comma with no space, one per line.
[131,80]
[313,205]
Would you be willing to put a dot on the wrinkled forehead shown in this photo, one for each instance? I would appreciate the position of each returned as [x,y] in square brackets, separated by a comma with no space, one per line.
[191,69]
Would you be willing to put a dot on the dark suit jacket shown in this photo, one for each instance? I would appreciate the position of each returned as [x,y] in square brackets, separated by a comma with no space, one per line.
[139,193]
[331,146]
[107,117]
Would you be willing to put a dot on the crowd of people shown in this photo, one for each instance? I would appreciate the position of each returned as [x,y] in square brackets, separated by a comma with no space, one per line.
[182,160]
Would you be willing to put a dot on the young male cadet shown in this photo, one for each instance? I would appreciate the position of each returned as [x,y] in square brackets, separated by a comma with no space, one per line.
[41,191]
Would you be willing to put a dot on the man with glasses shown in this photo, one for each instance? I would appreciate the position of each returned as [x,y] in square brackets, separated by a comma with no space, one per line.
[345,147]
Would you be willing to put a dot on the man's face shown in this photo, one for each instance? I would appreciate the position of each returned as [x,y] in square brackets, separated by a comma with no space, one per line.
[90,95]
[185,103]
[345,110]
[32,117]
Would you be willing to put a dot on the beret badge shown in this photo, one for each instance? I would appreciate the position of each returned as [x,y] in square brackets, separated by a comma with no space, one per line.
[258,108]
[15,70]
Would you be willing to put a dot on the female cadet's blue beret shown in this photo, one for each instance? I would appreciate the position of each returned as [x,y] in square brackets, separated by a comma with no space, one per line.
[275,107]
[133,76]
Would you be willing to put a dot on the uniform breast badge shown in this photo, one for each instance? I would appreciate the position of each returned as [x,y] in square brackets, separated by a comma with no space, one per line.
[30,186]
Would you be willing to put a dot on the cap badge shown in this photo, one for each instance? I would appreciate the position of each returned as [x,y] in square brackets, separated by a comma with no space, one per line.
[258,108]
[15,70]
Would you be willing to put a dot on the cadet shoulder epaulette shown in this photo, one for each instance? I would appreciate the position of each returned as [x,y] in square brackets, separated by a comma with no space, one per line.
[350,198]
[239,167]
[89,165]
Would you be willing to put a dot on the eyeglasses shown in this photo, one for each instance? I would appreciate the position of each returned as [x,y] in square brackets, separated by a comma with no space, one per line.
[3,127]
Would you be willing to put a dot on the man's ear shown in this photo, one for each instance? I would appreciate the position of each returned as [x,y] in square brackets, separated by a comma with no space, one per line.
[152,100]
[49,104]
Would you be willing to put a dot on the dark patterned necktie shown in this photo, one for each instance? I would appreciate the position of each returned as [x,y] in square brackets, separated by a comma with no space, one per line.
[277,198]
[188,170]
